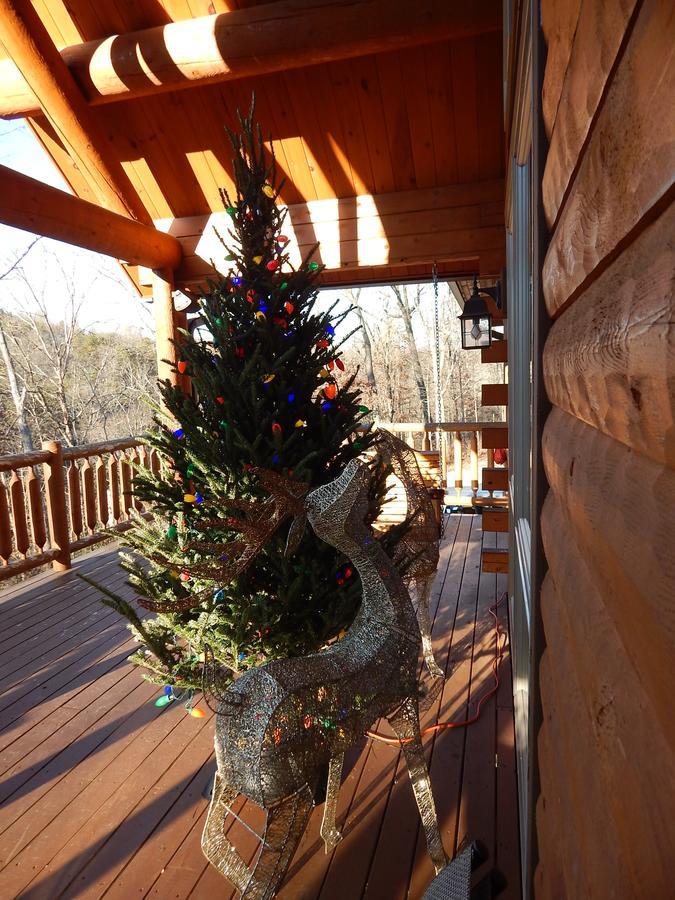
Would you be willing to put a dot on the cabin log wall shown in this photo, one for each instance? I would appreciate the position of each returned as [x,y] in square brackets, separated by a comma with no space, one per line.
[606,746]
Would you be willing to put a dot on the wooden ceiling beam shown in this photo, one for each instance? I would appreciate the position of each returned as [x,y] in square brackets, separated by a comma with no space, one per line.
[41,209]
[462,224]
[51,83]
[243,43]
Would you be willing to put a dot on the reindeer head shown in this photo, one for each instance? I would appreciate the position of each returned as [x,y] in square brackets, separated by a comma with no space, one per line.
[330,506]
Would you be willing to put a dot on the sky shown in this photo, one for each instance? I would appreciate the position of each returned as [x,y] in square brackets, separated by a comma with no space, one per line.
[108,300]
[110,303]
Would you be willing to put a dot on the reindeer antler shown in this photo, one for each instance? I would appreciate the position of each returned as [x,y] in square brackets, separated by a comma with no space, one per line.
[232,558]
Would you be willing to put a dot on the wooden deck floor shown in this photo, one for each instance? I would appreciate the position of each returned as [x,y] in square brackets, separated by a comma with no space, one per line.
[102,794]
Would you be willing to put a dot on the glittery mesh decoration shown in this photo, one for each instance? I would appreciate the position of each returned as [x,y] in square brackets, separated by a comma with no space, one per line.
[279,725]
[417,551]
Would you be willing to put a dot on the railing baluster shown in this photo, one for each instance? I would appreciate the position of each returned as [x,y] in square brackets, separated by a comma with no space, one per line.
[89,495]
[125,471]
[75,498]
[474,462]
[5,525]
[155,462]
[37,514]
[137,459]
[457,448]
[16,496]
[113,476]
[102,492]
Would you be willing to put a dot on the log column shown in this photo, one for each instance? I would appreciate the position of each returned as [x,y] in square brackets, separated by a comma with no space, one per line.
[167,322]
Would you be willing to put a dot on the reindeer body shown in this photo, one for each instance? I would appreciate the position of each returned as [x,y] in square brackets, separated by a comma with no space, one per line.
[279,725]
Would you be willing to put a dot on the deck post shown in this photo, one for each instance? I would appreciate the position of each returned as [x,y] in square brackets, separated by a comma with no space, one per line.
[57,514]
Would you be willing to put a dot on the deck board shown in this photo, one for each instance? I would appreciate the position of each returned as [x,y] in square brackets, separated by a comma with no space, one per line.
[103,794]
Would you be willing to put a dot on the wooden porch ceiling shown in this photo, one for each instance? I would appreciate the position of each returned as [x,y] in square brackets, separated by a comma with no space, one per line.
[386,102]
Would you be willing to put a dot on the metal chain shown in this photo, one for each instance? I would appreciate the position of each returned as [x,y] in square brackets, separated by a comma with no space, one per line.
[437,335]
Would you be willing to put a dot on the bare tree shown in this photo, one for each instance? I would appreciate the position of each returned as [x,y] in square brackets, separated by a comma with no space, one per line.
[408,304]
[354,296]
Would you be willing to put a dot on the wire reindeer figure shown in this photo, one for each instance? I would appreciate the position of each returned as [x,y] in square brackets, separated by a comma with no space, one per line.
[417,552]
[279,725]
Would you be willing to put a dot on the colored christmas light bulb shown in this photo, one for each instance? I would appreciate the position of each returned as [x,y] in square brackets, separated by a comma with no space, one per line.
[220,400]
[301,423]
[340,364]
[284,285]
[288,307]
[218,320]
[272,265]
[313,266]
[330,391]
[291,398]
[167,689]
[172,532]
[179,433]
[276,428]
[282,239]
[260,316]
[182,366]
[250,296]
[196,712]
[257,260]
[236,280]
[269,378]
[199,498]
[231,211]
[326,405]
[189,498]
[184,576]
[330,330]
[163,700]
[363,409]
[268,190]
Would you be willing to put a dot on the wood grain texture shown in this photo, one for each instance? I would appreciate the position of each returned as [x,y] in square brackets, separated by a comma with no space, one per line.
[558,22]
[494,394]
[599,32]
[496,352]
[629,163]
[610,358]
[620,509]
[495,479]
[639,781]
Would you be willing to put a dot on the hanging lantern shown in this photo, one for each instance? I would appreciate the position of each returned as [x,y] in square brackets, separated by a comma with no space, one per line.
[476,319]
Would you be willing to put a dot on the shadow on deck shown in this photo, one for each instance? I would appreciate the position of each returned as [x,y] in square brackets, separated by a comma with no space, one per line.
[103,794]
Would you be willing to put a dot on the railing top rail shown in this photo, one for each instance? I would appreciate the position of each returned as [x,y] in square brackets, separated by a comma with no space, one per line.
[22,460]
[85,450]
[439,426]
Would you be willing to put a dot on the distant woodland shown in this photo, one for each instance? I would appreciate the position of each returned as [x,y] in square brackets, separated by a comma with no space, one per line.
[60,381]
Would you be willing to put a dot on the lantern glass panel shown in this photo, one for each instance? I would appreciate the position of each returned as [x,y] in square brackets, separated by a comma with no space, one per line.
[476,333]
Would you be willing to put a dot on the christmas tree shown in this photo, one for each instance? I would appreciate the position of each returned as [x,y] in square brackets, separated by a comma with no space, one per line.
[269,391]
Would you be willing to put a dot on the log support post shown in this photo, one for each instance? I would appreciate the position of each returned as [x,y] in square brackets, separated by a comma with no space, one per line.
[457,446]
[57,514]
[167,323]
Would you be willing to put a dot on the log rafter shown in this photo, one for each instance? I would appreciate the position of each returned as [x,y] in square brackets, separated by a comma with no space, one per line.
[51,84]
[269,38]
[39,208]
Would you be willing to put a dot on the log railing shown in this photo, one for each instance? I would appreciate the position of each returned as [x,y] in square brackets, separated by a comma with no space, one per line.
[459,443]
[57,500]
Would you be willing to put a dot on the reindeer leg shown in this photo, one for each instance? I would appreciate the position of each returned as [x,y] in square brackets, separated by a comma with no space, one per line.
[423,590]
[405,722]
[331,836]
[217,849]
[285,825]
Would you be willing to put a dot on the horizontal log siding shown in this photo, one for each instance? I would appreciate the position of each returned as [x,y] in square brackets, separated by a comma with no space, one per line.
[606,745]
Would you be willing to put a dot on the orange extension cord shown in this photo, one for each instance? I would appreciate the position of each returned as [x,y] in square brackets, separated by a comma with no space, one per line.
[500,643]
